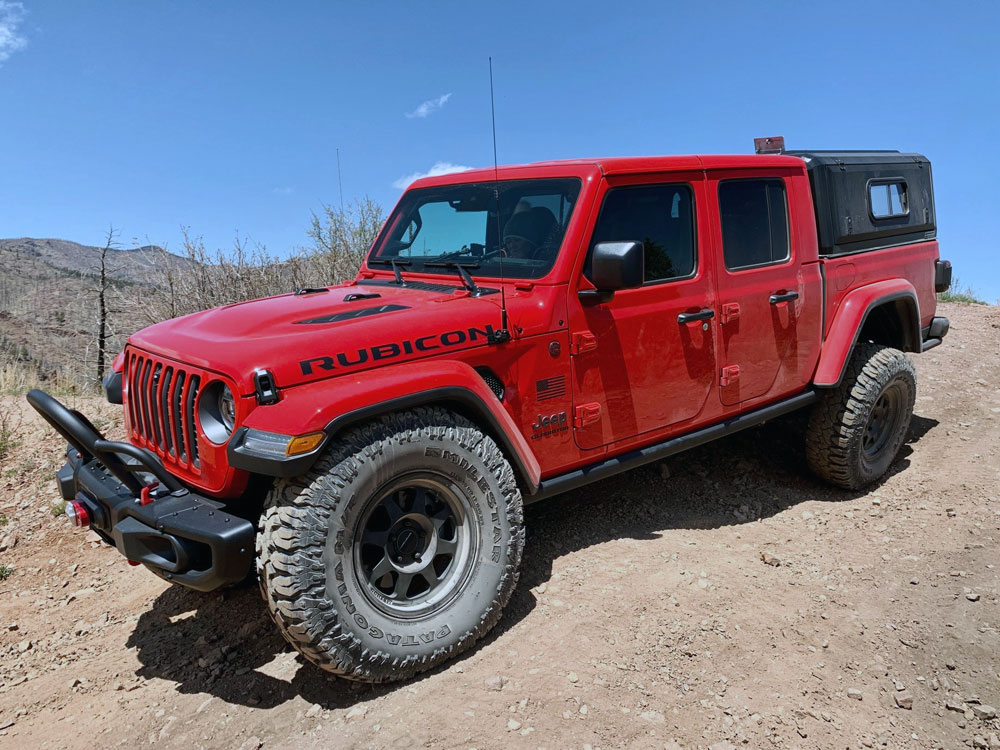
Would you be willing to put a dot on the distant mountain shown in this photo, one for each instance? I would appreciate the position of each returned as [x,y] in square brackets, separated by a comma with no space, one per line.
[141,265]
[48,302]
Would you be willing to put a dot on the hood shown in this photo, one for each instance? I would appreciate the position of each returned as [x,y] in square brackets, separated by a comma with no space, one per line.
[306,337]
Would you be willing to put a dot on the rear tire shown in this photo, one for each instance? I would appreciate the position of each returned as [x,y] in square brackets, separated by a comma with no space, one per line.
[398,550]
[857,428]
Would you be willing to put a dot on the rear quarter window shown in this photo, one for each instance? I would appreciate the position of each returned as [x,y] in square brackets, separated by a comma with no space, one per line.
[887,199]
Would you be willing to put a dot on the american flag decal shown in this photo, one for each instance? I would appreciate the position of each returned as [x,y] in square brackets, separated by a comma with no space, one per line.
[550,388]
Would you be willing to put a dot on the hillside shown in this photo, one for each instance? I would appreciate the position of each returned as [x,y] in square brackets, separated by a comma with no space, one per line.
[132,265]
[48,312]
[49,288]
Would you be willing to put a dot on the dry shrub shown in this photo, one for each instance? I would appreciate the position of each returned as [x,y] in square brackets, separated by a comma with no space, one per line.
[10,434]
[58,355]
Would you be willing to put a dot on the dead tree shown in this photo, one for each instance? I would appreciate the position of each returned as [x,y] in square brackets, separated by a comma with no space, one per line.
[111,242]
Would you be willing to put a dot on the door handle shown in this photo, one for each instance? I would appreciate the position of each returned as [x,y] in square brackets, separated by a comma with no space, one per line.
[786,297]
[706,313]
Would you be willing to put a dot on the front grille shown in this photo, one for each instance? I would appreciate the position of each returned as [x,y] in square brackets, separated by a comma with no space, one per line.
[161,404]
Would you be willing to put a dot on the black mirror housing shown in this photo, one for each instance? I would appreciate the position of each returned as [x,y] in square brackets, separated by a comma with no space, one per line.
[617,265]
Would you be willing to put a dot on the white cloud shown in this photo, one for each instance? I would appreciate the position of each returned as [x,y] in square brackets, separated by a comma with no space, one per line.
[439,168]
[10,18]
[283,190]
[431,105]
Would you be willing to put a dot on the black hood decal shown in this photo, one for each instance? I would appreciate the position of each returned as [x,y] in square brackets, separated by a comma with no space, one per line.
[364,312]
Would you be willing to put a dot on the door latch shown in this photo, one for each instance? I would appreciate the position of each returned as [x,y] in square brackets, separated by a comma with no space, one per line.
[583,341]
[730,374]
[587,414]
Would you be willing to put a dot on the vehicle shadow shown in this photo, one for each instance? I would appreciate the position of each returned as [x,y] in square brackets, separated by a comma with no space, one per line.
[224,644]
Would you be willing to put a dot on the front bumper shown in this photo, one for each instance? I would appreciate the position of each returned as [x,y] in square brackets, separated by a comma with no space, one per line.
[137,506]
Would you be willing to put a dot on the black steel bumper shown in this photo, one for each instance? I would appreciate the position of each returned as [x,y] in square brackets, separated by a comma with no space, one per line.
[182,537]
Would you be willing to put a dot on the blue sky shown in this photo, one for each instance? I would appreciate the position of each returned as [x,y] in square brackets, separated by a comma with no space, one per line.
[225,117]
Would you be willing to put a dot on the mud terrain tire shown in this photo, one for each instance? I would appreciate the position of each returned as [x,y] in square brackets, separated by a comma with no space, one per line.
[857,428]
[415,500]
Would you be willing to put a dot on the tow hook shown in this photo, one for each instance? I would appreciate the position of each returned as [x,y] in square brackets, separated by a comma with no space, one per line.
[146,493]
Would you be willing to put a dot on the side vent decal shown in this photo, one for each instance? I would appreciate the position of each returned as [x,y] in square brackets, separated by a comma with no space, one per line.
[492,380]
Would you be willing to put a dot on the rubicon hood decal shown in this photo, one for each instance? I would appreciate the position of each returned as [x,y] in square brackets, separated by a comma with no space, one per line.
[315,336]
[364,312]
[391,350]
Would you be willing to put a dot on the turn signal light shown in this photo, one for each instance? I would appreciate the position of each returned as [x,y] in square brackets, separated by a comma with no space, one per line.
[304,443]
[77,514]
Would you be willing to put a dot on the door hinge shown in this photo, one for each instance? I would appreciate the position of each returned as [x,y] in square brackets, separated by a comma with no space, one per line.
[584,341]
[730,374]
[730,311]
[587,414]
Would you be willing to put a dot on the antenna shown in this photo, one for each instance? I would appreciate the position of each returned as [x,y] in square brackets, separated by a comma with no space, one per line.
[503,334]
[340,183]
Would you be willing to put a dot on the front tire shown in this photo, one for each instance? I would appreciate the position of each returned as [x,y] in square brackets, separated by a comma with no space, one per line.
[857,428]
[398,550]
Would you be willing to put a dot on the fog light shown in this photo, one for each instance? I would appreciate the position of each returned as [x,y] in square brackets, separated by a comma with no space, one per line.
[77,514]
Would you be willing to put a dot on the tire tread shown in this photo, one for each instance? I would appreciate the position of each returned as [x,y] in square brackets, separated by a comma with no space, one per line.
[836,426]
[292,536]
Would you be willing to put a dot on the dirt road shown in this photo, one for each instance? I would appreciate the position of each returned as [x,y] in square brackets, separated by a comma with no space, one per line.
[723,599]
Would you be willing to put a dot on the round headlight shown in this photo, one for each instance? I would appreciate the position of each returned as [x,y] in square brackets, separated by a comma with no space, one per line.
[227,408]
[217,412]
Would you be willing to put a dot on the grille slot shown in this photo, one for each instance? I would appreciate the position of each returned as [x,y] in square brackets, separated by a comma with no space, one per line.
[161,404]
[192,430]
[175,416]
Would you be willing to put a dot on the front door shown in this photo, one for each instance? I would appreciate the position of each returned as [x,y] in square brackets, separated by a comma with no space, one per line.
[645,360]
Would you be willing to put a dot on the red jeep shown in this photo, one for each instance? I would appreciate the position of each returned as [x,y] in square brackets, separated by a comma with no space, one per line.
[513,334]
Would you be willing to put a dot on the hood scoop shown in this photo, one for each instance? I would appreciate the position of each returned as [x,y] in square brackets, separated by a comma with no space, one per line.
[363,312]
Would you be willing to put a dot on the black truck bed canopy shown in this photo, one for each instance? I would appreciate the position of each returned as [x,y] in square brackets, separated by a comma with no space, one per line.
[867,200]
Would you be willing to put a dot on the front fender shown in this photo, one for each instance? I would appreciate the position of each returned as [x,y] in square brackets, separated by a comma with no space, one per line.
[850,319]
[336,404]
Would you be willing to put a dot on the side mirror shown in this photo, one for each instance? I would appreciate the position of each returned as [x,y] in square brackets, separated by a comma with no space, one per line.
[614,266]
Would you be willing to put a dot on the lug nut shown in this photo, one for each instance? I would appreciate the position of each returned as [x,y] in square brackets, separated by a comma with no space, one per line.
[417,557]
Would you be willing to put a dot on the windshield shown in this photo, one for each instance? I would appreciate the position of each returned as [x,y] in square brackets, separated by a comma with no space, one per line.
[439,229]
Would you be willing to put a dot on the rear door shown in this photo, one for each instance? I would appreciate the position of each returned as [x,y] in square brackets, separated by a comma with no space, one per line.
[758,280]
[639,365]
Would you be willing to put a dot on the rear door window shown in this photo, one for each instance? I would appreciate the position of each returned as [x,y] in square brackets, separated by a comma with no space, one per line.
[754,222]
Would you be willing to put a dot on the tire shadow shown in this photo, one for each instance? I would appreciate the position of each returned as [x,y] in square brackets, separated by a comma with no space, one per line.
[225,644]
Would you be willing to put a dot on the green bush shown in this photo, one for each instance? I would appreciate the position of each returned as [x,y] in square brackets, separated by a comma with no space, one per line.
[958,293]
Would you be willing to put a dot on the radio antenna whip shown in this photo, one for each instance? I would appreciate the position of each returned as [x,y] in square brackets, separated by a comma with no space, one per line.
[504,333]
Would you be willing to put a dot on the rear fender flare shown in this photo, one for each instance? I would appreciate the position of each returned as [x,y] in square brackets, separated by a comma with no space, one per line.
[337,404]
[850,320]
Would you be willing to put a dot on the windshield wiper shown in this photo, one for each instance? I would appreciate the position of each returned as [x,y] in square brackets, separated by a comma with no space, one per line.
[395,263]
[460,267]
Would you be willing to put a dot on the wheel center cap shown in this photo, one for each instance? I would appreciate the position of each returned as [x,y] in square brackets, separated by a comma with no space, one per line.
[406,542]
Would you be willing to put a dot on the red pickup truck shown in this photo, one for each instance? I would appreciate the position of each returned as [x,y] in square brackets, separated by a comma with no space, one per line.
[513,334]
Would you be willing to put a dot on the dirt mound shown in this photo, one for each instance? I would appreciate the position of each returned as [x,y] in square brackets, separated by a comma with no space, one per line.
[723,599]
